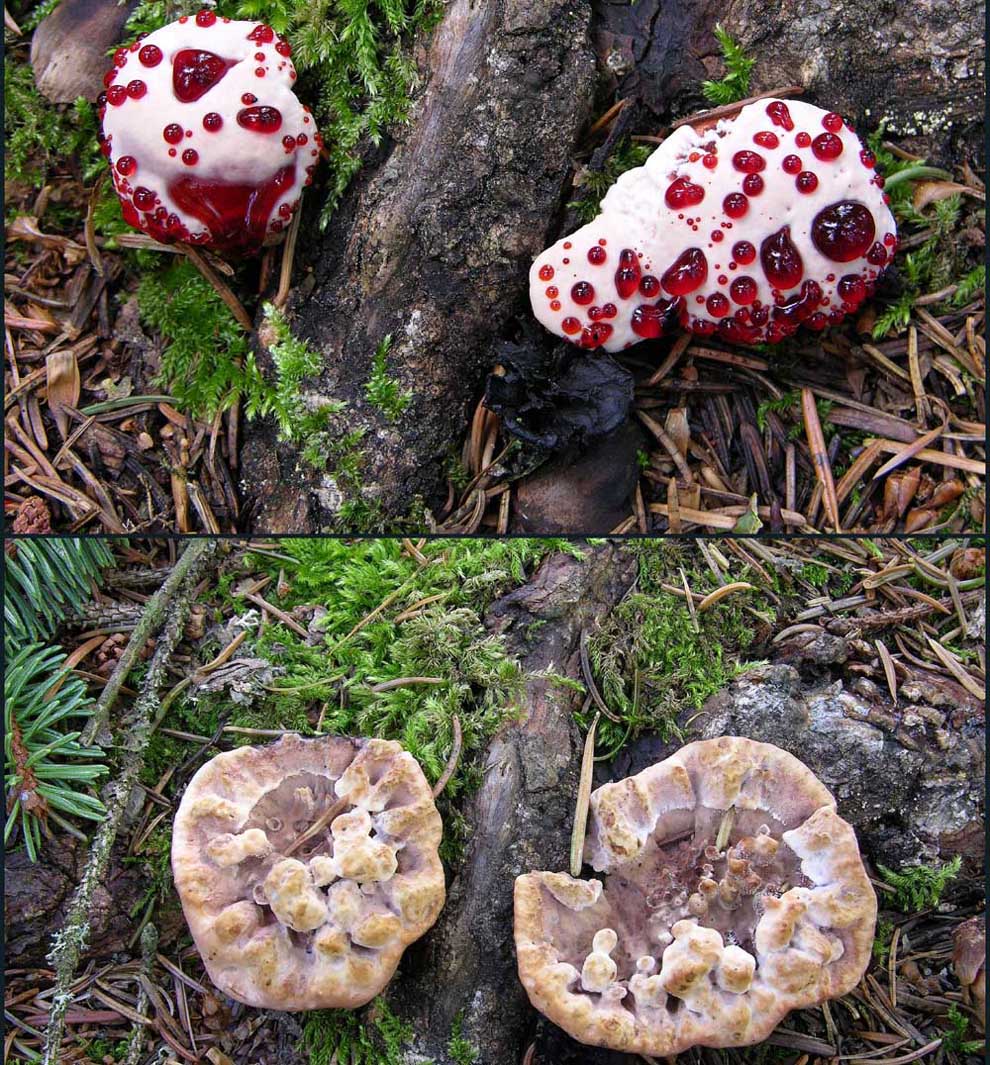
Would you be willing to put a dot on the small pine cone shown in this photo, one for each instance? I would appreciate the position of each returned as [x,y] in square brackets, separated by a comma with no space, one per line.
[108,654]
[33,516]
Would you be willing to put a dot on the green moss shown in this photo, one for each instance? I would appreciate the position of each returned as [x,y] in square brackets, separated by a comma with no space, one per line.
[340,1036]
[383,391]
[954,1039]
[735,85]
[881,940]
[595,183]
[461,1050]
[920,887]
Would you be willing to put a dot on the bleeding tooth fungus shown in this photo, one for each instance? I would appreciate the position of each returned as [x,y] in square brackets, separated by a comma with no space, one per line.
[787,179]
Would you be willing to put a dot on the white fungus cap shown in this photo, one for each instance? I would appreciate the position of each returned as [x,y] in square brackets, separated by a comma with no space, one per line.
[744,229]
[206,139]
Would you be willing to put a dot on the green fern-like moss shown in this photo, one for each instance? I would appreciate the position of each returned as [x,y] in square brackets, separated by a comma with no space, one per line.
[735,85]
[920,887]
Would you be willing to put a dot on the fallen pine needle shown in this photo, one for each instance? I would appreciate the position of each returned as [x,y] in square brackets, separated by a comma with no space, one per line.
[583,799]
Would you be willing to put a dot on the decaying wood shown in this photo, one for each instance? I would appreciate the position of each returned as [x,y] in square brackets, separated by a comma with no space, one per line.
[433,247]
[519,820]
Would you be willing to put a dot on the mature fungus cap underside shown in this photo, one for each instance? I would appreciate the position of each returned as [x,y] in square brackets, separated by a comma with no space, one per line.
[206,140]
[733,894]
[321,923]
[744,228]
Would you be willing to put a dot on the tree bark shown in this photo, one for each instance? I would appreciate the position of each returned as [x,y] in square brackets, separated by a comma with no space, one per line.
[519,820]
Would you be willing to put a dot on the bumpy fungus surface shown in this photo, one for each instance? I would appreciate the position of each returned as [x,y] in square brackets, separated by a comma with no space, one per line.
[744,229]
[733,894]
[320,923]
[206,140]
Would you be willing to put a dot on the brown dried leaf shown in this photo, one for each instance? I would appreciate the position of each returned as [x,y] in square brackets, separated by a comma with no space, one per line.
[25,227]
[926,192]
[919,518]
[64,386]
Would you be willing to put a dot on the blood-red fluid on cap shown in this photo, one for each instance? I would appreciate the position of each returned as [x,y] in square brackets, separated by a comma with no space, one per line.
[261,119]
[877,255]
[843,231]
[781,260]
[212,122]
[867,158]
[806,182]
[236,214]
[597,255]
[126,165]
[144,199]
[827,146]
[718,305]
[150,55]
[609,310]
[116,95]
[759,315]
[262,33]
[555,305]
[649,286]
[546,272]
[206,18]
[717,235]
[136,89]
[582,293]
[802,139]
[683,193]
[284,48]
[752,184]
[172,133]
[190,157]
[832,122]
[743,290]
[743,252]
[851,289]
[687,273]
[735,205]
[570,326]
[650,320]
[195,71]
[628,274]
[791,164]
[738,332]
[748,162]
[801,306]
[766,139]
[594,335]
[552,292]
[780,115]
[709,161]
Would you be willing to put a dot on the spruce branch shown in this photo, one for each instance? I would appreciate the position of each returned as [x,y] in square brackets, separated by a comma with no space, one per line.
[69,943]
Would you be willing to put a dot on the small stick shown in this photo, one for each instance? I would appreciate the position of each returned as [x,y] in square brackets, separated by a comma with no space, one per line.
[819,456]
[455,757]
[589,679]
[317,826]
[583,800]
[288,257]
[222,289]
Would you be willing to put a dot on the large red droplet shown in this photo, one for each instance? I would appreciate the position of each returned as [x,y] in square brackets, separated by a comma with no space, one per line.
[683,193]
[261,119]
[172,133]
[144,199]
[126,165]
[212,121]
[570,326]
[852,290]
[843,231]
[748,162]
[195,72]
[781,260]
[649,286]
[597,255]
[735,205]
[877,255]
[150,55]
[766,139]
[582,293]
[206,18]
[791,164]
[801,306]
[827,146]
[594,335]
[686,273]
[718,305]
[752,184]
[236,215]
[650,321]
[806,182]
[627,276]
[262,33]
[743,290]
[780,115]
[546,272]
[743,252]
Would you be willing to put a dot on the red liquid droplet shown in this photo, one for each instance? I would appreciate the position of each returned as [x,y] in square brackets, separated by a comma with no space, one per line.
[791,164]
[597,255]
[552,292]
[748,162]
[843,231]
[173,133]
[890,240]
[683,193]
[262,33]
[259,72]
[136,89]
[609,310]
[766,139]
[718,305]
[190,157]
[144,199]
[827,146]
[738,332]
[582,293]
[735,205]
[743,290]
[801,306]
[832,122]
[289,143]
[852,290]
[709,161]
[802,140]
[206,18]
[650,321]
[594,313]
[120,57]
[779,115]
[867,158]
[546,272]
[236,215]
[627,276]
[649,286]
[249,98]
[817,321]
[150,55]
[781,260]
[109,78]
[567,245]
[759,315]
[195,72]
[877,255]
[806,181]
[570,326]
[752,184]
[212,122]
[555,305]
[284,48]
[717,235]
[595,335]
[743,252]
[261,119]
[686,273]
[116,95]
